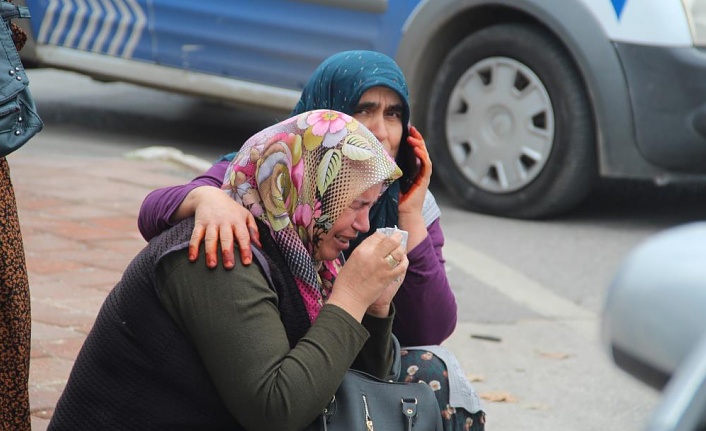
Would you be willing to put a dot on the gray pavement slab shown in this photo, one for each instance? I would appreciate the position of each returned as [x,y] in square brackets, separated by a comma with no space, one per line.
[78,219]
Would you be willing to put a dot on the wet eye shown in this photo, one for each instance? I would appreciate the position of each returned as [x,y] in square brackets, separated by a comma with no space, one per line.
[395,114]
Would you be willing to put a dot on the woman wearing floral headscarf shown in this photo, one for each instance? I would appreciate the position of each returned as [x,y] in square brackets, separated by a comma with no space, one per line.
[370,87]
[178,345]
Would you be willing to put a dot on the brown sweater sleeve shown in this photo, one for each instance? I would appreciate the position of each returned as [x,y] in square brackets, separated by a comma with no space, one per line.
[233,320]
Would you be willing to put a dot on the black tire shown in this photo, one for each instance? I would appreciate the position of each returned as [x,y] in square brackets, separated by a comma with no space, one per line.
[475,155]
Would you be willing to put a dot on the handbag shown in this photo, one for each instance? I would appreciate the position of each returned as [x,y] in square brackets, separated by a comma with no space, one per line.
[19,120]
[364,402]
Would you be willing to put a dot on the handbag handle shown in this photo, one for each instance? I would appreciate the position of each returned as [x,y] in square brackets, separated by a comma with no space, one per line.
[409,410]
[396,369]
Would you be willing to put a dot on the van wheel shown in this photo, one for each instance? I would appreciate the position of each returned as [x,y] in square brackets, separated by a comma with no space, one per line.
[510,126]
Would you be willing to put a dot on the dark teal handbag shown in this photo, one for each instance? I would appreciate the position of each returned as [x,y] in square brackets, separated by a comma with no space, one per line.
[19,120]
[366,403]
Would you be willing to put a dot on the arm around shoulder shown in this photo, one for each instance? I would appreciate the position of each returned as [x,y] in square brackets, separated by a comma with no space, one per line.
[160,209]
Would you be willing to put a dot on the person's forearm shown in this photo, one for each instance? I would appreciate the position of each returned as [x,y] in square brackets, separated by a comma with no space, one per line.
[157,209]
[161,208]
[426,310]
[414,225]
[259,382]
[191,201]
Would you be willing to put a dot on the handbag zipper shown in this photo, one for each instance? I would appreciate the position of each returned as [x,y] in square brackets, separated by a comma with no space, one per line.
[368,419]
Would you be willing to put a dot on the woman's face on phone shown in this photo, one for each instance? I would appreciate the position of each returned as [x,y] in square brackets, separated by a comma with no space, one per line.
[380,110]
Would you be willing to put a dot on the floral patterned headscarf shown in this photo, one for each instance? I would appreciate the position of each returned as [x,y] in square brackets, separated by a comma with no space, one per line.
[298,176]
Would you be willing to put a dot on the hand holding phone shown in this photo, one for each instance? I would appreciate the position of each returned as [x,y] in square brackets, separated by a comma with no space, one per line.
[415,141]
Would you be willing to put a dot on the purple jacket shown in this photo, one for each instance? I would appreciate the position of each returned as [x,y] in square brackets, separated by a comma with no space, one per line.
[425,305]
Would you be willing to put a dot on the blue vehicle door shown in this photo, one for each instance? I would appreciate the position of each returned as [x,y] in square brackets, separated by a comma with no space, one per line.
[275,42]
[116,28]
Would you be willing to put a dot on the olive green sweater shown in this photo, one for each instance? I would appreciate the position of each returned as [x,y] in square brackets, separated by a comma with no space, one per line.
[232,317]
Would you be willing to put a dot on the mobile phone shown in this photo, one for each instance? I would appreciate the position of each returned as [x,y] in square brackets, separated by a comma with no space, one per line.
[408,162]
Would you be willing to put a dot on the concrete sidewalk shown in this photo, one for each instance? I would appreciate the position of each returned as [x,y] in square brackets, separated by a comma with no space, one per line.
[78,218]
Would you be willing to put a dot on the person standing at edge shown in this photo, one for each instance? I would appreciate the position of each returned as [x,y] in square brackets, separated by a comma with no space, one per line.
[370,87]
[15,316]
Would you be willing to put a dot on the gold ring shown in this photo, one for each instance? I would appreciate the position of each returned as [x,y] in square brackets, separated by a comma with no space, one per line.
[392,261]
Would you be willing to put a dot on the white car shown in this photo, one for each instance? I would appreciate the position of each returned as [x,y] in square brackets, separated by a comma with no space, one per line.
[654,323]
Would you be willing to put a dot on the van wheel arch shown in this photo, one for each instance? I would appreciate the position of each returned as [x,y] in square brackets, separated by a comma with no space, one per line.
[570,168]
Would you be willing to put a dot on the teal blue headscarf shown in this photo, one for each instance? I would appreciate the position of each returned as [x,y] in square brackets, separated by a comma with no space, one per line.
[340,81]
[338,84]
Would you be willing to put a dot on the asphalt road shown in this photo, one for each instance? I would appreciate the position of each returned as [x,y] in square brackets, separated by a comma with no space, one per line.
[530,293]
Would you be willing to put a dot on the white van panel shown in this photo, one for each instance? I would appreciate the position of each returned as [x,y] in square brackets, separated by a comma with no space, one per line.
[645,22]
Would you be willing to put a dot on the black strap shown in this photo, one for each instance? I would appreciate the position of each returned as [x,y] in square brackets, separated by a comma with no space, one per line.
[327,413]
[409,409]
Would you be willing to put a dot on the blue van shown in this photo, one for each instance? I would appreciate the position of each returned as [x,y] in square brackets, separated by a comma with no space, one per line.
[524,104]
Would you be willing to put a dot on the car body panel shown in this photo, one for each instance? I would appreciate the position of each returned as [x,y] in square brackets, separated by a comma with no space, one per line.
[270,42]
[654,325]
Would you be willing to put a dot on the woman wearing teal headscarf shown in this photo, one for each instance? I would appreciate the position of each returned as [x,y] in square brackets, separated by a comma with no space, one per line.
[370,87]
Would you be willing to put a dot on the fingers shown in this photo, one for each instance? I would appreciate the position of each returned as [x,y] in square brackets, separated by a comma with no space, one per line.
[196,237]
[425,168]
[210,238]
[227,251]
[384,252]
[242,236]
[211,246]
[392,261]
[416,141]
[220,221]
[421,152]
[414,134]
[223,234]
[398,263]
[397,258]
[390,249]
[254,232]
[401,268]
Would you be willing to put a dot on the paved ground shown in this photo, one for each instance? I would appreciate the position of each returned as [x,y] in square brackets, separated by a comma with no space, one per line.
[78,219]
